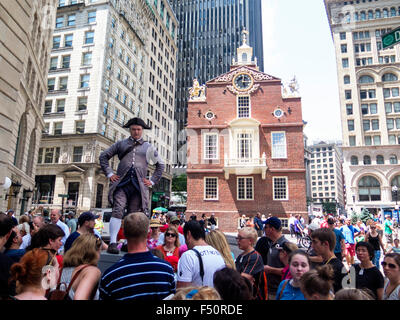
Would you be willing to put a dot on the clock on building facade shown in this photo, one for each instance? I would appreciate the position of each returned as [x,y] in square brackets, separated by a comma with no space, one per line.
[242,82]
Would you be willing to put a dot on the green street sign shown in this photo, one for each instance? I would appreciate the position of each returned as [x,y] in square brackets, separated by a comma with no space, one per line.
[63,195]
[391,38]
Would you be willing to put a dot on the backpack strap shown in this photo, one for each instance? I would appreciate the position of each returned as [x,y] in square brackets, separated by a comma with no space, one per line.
[201,264]
[283,288]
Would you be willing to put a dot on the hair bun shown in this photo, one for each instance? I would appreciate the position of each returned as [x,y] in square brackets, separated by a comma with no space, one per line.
[326,272]
[18,271]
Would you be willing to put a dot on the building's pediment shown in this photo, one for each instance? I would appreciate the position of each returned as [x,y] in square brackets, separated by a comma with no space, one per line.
[244,122]
[73,169]
[256,75]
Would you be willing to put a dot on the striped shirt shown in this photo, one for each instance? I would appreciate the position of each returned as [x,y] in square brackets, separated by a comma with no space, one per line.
[138,276]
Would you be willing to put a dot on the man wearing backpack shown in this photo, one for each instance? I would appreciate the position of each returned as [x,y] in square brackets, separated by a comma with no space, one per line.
[197,265]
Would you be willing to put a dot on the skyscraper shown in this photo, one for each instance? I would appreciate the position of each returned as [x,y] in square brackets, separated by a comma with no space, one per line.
[369,84]
[209,32]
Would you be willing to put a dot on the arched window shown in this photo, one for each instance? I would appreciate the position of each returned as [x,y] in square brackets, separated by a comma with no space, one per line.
[385,13]
[392,12]
[366,79]
[377,14]
[370,15]
[31,153]
[389,77]
[244,57]
[363,15]
[354,161]
[369,189]
[393,159]
[367,160]
[21,142]
[380,159]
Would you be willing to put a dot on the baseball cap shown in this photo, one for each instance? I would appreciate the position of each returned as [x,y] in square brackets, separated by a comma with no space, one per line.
[86,216]
[274,222]
[289,247]
[173,219]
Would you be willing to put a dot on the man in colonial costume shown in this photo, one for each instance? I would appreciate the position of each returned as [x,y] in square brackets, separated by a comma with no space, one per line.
[129,187]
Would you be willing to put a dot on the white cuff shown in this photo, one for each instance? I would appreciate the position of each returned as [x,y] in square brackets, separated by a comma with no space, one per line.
[110,175]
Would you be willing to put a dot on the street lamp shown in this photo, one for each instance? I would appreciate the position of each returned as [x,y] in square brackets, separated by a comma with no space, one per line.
[395,190]
[16,187]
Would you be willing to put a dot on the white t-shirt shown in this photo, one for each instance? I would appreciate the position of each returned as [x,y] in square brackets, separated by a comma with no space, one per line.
[189,266]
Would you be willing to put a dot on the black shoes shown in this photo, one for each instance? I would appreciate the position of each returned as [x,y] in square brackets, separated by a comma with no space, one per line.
[112,248]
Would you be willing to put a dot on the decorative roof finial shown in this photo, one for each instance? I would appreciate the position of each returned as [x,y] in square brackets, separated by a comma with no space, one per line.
[244,36]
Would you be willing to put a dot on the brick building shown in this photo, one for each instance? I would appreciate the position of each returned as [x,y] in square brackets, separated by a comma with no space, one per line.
[245,146]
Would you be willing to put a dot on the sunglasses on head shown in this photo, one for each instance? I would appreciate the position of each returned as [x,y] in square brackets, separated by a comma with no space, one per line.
[168,234]
[390,265]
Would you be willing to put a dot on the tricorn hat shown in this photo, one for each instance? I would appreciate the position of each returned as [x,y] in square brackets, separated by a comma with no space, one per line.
[138,122]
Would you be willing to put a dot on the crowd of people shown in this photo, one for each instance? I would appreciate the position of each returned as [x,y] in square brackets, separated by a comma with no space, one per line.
[169,258]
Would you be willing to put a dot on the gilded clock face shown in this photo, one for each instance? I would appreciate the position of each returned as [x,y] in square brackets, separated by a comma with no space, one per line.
[242,81]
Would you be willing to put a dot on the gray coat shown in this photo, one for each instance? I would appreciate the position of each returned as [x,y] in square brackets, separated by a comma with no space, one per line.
[142,154]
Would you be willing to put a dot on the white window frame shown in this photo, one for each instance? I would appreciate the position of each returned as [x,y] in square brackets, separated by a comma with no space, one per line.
[273,189]
[273,153]
[205,146]
[249,152]
[238,107]
[245,188]
[205,189]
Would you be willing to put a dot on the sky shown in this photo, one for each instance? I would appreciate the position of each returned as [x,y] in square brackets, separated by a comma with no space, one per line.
[297,42]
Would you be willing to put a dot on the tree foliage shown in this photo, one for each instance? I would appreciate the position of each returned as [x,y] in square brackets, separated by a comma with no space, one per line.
[179,183]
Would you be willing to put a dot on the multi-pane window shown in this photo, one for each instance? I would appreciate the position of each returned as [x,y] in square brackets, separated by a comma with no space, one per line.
[245,188]
[244,146]
[51,155]
[56,42]
[89,37]
[48,106]
[280,188]
[278,145]
[210,188]
[51,82]
[91,16]
[58,128]
[63,83]
[86,58]
[80,126]
[65,62]
[59,22]
[243,107]
[68,40]
[77,154]
[211,146]
[71,20]
[61,105]
[350,125]
[349,109]
[82,103]
[53,63]
[84,81]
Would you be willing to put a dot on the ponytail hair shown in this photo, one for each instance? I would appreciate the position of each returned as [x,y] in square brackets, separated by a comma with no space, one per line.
[319,280]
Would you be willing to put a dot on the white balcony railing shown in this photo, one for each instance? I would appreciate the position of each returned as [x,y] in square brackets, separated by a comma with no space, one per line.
[245,166]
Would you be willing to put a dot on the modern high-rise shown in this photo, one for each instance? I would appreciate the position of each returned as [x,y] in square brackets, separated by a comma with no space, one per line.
[25,41]
[209,32]
[326,173]
[111,61]
[369,91]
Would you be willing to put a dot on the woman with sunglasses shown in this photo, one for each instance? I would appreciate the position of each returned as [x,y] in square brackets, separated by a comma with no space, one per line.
[391,269]
[374,239]
[170,248]
[36,272]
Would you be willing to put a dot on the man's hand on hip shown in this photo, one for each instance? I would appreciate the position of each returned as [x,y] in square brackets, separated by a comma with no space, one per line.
[114,178]
[147,182]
